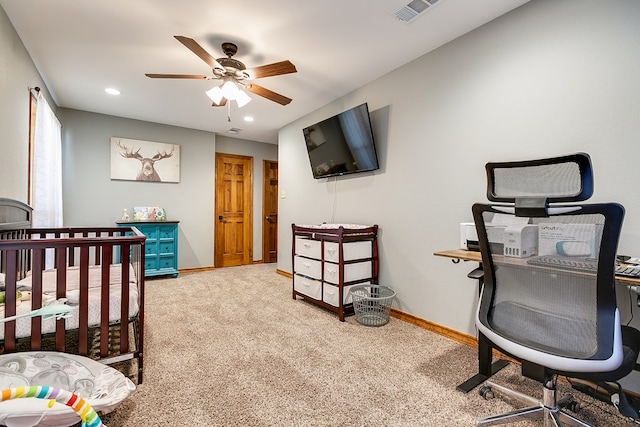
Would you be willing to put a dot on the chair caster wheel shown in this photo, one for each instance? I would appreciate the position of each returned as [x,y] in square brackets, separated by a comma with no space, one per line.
[574,407]
[486,392]
[567,402]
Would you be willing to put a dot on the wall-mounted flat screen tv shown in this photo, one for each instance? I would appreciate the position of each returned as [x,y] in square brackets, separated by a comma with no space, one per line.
[342,144]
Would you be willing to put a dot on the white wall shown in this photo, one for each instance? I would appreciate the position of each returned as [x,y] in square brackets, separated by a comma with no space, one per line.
[91,198]
[552,77]
[17,75]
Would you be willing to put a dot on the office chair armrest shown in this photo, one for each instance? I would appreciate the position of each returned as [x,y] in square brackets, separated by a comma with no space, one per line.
[477,274]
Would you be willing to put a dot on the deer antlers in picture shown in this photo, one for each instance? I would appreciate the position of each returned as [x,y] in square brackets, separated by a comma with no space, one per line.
[147,172]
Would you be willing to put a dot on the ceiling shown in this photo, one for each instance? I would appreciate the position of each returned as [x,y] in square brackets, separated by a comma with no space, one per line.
[82,47]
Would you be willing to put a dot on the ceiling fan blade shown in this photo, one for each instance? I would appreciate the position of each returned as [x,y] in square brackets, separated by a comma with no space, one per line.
[223,102]
[275,69]
[194,47]
[269,94]
[177,76]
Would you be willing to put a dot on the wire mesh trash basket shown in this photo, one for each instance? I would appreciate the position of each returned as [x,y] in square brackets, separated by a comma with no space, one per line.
[372,304]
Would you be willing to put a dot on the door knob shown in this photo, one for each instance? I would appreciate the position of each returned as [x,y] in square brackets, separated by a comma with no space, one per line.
[268,218]
[220,217]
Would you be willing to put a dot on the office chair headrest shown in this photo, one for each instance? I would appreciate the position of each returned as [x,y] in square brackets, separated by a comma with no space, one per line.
[532,184]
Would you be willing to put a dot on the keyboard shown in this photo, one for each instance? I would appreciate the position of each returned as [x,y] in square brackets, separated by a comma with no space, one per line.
[589,265]
[628,270]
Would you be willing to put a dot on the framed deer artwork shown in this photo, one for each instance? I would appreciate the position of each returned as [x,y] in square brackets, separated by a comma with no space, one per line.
[135,160]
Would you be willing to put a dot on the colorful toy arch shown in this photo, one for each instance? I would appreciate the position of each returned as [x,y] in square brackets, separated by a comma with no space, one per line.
[86,413]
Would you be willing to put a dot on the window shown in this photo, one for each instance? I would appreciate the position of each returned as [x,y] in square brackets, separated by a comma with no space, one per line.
[45,164]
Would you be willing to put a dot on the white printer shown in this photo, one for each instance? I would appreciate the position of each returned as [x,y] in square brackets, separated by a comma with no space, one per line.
[469,236]
[507,235]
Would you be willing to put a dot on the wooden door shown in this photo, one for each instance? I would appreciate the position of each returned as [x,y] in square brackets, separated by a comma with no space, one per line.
[233,210]
[269,211]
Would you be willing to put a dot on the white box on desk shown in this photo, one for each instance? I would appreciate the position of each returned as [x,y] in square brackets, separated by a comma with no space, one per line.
[507,236]
[520,241]
[495,233]
[569,239]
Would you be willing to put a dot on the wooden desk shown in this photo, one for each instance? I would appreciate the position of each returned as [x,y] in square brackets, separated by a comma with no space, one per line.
[462,254]
[485,349]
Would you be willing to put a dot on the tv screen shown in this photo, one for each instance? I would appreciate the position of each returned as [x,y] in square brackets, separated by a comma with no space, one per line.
[342,144]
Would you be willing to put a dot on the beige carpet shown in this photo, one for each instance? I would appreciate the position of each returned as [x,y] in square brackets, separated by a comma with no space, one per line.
[230,347]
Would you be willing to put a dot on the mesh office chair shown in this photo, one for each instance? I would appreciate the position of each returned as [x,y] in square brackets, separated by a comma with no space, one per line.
[549,288]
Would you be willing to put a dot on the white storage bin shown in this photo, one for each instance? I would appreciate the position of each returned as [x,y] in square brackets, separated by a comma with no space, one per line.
[330,294]
[307,267]
[308,248]
[350,251]
[356,271]
[306,286]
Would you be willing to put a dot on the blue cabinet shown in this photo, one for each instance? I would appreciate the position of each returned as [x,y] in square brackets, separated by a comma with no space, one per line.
[161,246]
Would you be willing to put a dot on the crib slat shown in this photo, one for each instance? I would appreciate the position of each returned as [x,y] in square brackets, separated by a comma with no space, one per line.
[83,315]
[125,252]
[10,300]
[61,292]
[104,300]
[97,258]
[36,297]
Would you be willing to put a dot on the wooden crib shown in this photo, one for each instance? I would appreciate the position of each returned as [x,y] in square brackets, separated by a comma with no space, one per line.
[97,271]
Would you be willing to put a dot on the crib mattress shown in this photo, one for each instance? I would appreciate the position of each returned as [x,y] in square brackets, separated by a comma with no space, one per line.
[23,325]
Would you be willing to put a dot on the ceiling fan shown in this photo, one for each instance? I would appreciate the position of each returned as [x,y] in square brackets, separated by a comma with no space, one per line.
[234,74]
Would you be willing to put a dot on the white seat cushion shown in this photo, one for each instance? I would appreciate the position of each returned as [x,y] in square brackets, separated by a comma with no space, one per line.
[102,386]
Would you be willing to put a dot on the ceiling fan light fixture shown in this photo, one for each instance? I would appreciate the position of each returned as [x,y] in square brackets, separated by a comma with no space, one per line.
[233,73]
[215,94]
[230,90]
[242,99]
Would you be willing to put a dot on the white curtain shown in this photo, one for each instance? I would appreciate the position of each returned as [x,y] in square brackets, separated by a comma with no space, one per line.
[47,167]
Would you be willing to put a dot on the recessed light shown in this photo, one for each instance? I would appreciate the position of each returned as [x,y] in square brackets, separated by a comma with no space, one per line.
[112,91]
[248,119]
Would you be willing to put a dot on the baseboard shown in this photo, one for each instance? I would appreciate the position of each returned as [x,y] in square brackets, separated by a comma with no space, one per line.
[284,273]
[199,269]
[469,340]
[436,328]
[195,269]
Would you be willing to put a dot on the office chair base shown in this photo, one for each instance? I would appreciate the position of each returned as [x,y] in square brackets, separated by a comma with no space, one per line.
[548,409]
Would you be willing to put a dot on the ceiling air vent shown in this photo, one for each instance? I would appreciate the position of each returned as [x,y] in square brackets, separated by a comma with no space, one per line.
[234,130]
[414,9]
